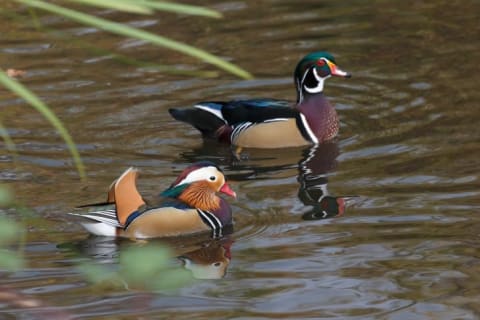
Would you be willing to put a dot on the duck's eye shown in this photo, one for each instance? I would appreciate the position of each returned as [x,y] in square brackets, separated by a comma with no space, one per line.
[320,63]
[212,178]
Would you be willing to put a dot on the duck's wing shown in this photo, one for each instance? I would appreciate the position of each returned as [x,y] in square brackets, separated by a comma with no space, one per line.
[127,197]
[217,119]
[257,110]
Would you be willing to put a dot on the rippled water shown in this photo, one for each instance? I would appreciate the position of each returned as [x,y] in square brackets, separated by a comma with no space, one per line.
[407,246]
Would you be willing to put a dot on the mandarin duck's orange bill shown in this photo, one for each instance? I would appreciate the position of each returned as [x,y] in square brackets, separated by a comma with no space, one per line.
[270,123]
[190,205]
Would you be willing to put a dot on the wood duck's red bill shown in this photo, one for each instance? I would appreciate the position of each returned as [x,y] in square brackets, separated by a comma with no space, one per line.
[337,72]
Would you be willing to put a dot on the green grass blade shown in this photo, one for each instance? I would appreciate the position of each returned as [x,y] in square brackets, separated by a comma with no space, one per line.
[8,141]
[148,7]
[182,8]
[139,34]
[36,103]
[127,6]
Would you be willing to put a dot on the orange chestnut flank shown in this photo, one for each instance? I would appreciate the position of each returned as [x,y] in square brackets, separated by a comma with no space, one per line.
[190,205]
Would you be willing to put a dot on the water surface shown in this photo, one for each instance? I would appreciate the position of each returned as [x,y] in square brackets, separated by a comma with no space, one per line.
[407,246]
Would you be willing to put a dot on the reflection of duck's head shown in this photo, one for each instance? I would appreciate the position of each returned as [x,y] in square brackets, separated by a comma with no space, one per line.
[208,262]
[327,207]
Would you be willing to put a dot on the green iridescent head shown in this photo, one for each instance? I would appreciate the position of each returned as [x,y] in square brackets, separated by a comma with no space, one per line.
[314,59]
[312,71]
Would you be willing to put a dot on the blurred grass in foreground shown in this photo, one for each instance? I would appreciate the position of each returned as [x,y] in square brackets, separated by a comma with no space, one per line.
[11,233]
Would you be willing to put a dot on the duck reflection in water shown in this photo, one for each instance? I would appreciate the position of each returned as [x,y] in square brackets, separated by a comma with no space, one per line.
[312,164]
[210,261]
[313,168]
[204,257]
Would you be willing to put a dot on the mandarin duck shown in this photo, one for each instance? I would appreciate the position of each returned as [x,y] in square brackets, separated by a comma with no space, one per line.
[190,205]
[271,123]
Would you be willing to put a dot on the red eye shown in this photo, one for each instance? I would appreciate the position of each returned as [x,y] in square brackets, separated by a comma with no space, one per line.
[320,63]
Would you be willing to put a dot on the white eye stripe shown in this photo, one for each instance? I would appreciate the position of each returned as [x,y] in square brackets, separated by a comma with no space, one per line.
[200,174]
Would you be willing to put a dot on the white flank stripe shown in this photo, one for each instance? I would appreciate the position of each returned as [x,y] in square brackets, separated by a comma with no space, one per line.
[238,130]
[212,225]
[215,112]
[215,225]
[219,223]
[275,120]
[308,129]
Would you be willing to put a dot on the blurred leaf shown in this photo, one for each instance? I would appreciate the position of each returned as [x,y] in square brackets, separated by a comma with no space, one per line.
[96,273]
[11,261]
[6,196]
[124,30]
[9,230]
[35,102]
[141,268]
[151,267]
[142,263]
[170,280]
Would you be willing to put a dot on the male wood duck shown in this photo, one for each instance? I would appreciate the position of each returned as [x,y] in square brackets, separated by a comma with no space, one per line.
[270,123]
[190,205]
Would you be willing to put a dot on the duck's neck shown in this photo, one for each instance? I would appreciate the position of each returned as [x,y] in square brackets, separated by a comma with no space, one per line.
[200,196]
[320,116]
[224,213]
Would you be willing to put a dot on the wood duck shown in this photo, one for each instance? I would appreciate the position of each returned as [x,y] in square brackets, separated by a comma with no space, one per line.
[270,123]
[190,205]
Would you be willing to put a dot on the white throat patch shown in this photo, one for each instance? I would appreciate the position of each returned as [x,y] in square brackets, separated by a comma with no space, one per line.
[320,82]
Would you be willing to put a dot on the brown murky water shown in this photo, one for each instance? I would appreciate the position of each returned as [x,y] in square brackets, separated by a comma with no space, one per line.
[407,246]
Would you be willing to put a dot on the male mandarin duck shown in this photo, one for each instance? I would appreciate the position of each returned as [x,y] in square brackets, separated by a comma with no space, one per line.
[270,123]
[190,205]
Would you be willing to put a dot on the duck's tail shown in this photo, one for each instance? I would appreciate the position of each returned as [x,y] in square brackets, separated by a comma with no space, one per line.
[206,117]
[101,222]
